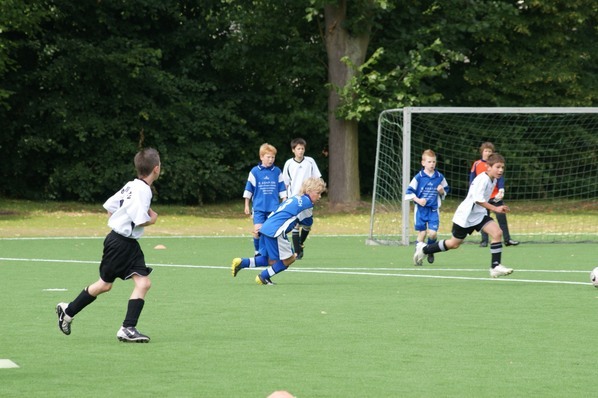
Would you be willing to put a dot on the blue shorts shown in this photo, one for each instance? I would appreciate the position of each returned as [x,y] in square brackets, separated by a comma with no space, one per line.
[259,216]
[275,248]
[425,218]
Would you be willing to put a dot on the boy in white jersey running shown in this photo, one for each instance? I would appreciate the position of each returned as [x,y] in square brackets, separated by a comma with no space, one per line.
[129,211]
[296,170]
[472,215]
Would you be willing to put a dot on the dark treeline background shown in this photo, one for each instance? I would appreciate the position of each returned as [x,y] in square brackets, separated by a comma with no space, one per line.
[84,83]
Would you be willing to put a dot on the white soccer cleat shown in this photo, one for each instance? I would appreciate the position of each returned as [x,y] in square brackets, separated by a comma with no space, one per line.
[500,270]
[131,335]
[418,256]
[64,321]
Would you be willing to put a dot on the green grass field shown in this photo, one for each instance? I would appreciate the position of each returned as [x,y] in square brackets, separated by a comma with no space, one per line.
[349,320]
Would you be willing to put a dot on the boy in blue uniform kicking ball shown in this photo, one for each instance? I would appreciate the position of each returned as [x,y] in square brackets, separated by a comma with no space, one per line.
[275,248]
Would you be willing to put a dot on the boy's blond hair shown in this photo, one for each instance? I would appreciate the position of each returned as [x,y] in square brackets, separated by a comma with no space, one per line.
[313,184]
[429,153]
[267,148]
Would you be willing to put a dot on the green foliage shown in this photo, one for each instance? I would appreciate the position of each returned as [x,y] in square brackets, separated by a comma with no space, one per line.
[84,84]
[18,19]
[370,91]
[532,53]
[108,78]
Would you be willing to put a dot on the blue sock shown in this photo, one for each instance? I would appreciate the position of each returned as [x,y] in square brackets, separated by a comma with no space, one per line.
[276,268]
[261,261]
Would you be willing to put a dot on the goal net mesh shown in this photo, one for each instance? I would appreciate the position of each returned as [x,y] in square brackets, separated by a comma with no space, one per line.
[551,173]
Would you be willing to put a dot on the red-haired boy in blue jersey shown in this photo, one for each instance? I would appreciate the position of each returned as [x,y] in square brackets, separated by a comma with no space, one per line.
[265,188]
[427,189]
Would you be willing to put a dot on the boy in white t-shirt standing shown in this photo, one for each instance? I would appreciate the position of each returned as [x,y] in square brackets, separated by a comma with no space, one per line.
[295,171]
[472,215]
[129,211]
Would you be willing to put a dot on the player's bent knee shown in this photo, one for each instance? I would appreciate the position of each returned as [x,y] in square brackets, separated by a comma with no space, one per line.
[143,283]
[496,235]
[104,288]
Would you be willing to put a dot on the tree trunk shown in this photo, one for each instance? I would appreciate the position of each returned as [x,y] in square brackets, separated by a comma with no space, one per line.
[343,144]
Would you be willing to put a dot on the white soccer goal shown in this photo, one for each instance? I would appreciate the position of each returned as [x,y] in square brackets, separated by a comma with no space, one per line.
[551,168]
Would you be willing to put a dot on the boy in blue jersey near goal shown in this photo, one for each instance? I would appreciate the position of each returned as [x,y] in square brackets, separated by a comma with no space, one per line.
[264,188]
[294,172]
[427,190]
[275,249]
[129,211]
[472,215]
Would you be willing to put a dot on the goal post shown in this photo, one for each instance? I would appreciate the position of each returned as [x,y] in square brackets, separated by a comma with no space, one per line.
[551,171]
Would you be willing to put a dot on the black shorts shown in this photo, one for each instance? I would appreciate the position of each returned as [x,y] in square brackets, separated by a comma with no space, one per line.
[122,258]
[461,233]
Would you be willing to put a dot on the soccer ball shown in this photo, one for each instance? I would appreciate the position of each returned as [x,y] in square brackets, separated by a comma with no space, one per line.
[594,277]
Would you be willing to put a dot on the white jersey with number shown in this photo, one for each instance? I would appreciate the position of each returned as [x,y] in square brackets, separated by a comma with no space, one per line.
[129,208]
[294,173]
[470,213]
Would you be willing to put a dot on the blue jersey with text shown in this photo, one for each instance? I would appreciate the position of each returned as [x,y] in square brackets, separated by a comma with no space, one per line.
[293,211]
[265,187]
[425,186]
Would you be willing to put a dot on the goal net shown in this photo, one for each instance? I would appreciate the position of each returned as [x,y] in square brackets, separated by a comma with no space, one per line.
[551,174]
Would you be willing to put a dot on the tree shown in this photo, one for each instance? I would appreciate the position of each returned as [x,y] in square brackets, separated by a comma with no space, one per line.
[343,133]
[82,83]
[360,89]
[529,53]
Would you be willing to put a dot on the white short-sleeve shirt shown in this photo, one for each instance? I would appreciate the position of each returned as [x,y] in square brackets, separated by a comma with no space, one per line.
[129,208]
[469,213]
[294,173]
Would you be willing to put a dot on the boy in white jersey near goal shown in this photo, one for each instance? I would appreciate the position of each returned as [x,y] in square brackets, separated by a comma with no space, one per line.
[296,170]
[275,248]
[129,211]
[427,189]
[472,215]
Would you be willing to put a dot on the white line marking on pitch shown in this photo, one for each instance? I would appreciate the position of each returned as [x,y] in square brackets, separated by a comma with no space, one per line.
[357,271]
[7,364]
